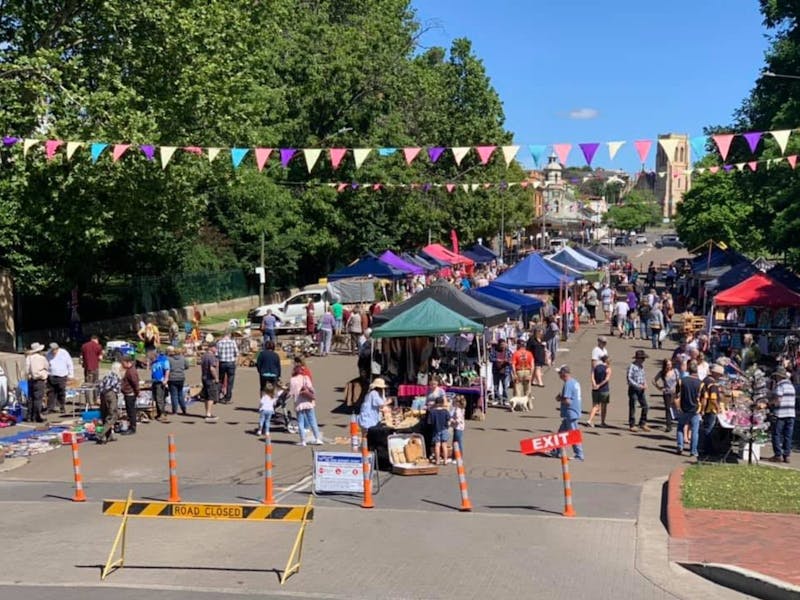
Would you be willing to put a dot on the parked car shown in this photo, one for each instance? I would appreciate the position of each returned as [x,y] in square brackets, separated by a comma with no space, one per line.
[622,240]
[640,238]
[607,241]
[557,244]
[669,240]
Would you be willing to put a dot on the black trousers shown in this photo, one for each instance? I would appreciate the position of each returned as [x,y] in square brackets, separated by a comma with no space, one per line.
[636,395]
[56,392]
[36,392]
[227,373]
[160,397]
[130,409]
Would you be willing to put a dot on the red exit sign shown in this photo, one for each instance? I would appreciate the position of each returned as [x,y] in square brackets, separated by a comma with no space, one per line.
[551,441]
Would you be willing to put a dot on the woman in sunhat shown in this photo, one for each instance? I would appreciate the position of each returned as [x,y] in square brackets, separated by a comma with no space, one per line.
[370,413]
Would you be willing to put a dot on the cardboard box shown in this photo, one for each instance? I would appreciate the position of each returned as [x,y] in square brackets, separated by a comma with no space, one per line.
[397,445]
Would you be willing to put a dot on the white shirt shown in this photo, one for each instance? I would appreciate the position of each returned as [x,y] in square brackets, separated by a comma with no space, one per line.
[598,353]
[267,404]
[61,363]
[622,308]
[702,370]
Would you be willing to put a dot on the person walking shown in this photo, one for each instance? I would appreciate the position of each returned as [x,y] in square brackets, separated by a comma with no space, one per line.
[607,299]
[590,302]
[327,324]
[688,405]
[177,379]
[570,402]
[61,371]
[266,408]
[655,323]
[354,329]
[458,420]
[552,337]
[601,391]
[522,369]
[637,387]
[37,370]
[209,376]
[91,353]
[129,386]
[667,380]
[538,348]
[782,404]
[159,376]
[227,353]
[500,357]
[268,365]
[302,390]
[109,402]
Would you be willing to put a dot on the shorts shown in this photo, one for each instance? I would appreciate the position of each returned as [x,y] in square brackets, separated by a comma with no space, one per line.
[441,436]
[599,397]
[210,391]
[592,310]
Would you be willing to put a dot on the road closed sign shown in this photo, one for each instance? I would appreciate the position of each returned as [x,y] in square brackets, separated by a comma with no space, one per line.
[550,442]
[338,472]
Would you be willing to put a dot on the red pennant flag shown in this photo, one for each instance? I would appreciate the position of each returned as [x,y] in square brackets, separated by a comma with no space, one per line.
[196,150]
[262,156]
[410,154]
[337,154]
[792,160]
[485,153]
[723,142]
[643,149]
[454,240]
[50,148]
[450,187]
[753,165]
[118,151]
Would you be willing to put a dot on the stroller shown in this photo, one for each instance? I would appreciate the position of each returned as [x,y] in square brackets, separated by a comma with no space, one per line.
[282,416]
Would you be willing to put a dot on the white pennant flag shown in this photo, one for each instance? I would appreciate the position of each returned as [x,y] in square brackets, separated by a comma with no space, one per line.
[475,186]
[27,145]
[669,145]
[782,137]
[71,147]
[700,170]
[613,148]
[465,187]
[166,154]
[213,153]
[311,155]
[662,173]
[360,155]
[740,166]
[512,184]
[687,171]
[459,154]
[509,152]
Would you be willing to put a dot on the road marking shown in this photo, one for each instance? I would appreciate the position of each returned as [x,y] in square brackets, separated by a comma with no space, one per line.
[303,483]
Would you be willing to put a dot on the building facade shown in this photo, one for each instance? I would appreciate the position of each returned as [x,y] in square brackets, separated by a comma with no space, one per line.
[672,181]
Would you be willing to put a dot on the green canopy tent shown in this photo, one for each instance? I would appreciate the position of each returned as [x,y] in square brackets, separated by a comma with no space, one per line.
[427,318]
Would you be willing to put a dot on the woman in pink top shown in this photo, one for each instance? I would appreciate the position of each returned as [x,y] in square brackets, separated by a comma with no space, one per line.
[302,390]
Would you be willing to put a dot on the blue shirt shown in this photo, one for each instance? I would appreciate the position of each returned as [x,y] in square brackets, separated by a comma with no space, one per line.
[370,413]
[572,391]
[159,368]
[269,322]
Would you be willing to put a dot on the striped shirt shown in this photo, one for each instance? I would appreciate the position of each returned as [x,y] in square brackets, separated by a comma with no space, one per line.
[636,376]
[783,398]
[227,350]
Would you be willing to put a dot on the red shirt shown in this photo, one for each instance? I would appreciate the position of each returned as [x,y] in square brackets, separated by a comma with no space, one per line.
[91,353]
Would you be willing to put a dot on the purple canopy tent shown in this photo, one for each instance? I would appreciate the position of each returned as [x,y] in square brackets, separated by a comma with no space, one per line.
[391,259]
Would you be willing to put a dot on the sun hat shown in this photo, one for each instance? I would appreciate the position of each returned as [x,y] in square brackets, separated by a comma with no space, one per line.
[378,382]
[640,354]
[35,347]
[718,370]
[780,373]
[209,338]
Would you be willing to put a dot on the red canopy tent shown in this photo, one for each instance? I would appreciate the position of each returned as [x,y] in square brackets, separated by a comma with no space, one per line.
[440,252]
[759,290]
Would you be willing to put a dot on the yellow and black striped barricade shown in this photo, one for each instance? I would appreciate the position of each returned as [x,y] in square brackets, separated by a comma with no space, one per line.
[209,511]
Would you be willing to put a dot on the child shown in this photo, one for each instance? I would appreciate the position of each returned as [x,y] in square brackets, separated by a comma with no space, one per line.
[457,421]
[266,408]
[439,419]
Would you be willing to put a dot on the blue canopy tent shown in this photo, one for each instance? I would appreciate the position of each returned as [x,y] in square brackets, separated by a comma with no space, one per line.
[731,277]
[368,266]
[532,273]
[601,260]
[480,254]
[573,260]
[783,275]
[419,261]
[527,304]
[718,257]
[512,310]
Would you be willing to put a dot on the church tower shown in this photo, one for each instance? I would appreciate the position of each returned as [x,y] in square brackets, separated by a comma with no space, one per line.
[672,181]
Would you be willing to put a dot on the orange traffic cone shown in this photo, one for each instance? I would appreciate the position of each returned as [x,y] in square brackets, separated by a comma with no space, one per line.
[367,503]
[355,433]
[76,467]
[173,471]
[466,505]
[569,510]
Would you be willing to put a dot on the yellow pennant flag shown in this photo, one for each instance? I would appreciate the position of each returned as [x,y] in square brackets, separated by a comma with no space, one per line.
[166,154]
[71,147]
[27,145]
[213,153]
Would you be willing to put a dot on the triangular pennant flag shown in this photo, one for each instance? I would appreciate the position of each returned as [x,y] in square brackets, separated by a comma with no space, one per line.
[782,137]
[450,187]
[485,153]
[376,187]
[148,150]
[71,147]
[752,137]
[166,153]
[698,144]
[613,148]
[713,169]
[336,156]
[562,151]
[687,171]
[435,153]
[10,140]
[509,153]
[753,165]
[286,155]
[739,166]
[237,156]
[668,145]
[51,147]
[475,186]
[792,160]
[723,142]
[97,150]
[410,154]
[196,150]
[459,153]
[537,152]
[360,155]
[27,144]
[311,155]
[118,150]
[589,150]
[386,151]
[642,149]
[213,153]
[662,173]
[341,187]
[262,156]
[700,170]
[727,168]
[465,187]
[512,184]
[524,184]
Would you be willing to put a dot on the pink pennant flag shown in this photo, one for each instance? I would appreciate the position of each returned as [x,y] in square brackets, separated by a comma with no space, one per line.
[50,148]
[262,156]
[196,150]
[723,142]
[524,184]
[562,151]
[752,138]
[341,187]
[485,153]
[118,151]
[792,160]
[450,187]
[643,149]
[376,187]
[588,151]
[713,169]
[486,186]
[410,154]
[753,164]
[337,154]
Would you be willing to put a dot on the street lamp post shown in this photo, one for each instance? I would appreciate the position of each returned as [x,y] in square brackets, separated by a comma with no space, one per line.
[502,227]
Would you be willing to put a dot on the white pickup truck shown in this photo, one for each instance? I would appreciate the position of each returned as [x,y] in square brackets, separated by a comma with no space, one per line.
[292,311]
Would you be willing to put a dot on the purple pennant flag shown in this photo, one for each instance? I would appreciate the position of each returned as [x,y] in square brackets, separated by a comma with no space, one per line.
[435,153]
[10,140]
[727,167]
[752,139]
[286,156]
[354,185]
[588,151]
[148,150]
[503,185]
[427,187]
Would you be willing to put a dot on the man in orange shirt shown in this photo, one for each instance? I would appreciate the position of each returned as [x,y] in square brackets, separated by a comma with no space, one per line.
[522,369]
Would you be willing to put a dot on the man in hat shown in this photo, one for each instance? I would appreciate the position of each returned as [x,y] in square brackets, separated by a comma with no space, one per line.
[709,408]
[209,375]
[570,401]
[599,351]
[61,370]
[129,386]
[370,413]
[637,387]
[37,369]
[783,408]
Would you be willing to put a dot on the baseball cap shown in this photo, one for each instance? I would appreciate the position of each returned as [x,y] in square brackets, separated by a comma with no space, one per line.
[602,338]
[563,369]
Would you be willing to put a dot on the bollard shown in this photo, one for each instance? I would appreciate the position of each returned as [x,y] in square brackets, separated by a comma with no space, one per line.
[367,503]
[76,466]
[173,471]
[466,505]
[355,434]
[569,511]
[268,499]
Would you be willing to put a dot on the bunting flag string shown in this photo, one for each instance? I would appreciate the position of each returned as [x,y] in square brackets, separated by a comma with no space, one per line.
[613,148]
[73,146]
[642,149]
[262,156]
[589,151]
[311,155]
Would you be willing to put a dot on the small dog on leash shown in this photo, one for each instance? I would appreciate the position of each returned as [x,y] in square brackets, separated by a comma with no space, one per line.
[520,403]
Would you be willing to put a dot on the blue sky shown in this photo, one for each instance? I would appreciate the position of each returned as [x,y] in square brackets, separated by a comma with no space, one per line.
[632,69]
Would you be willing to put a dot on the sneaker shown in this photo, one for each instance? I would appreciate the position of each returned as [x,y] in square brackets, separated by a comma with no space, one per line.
[679,451]
[775,459]
[318,442]
[590,424]
[299,443]
[786,459]
[578,458]
[646,428]
[633,428]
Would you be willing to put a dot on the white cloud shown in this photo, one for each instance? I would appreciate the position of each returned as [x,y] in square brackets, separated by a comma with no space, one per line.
[584,113]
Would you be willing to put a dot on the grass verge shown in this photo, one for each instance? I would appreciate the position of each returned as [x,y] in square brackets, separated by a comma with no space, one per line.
[223,318]
[742,487]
